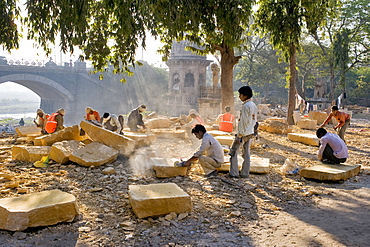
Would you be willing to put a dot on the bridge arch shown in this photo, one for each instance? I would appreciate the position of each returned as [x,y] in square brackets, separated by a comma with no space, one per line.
[52,94]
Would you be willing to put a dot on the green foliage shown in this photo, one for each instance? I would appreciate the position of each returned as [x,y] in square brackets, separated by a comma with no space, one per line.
[9,36]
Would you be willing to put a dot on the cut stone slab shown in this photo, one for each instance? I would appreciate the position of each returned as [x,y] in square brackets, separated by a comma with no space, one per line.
[307,124]
[159,122]
[330,172]
[283,120]
[31,137]
[258,164]
[29,153]
[66,134]
[123,144]
[225,140]
[141,140]
[275,127]
[319,116]
[94,154]
[27,130]
[169,133]
[216,133]
[309,139]
[158,199]
[60,151]
[37,209]
[165,168]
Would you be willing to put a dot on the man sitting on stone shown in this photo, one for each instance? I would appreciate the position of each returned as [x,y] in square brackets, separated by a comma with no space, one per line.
[135,118]
[110,122]
[210,154]
[332,148]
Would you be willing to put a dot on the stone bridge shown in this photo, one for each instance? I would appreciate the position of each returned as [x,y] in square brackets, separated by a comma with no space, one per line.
[70,87]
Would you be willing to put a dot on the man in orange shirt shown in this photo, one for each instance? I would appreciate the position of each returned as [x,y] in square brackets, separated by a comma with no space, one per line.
[342,118]
[226,120]
[92,115]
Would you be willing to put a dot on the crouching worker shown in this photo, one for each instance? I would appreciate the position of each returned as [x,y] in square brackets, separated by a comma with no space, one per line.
[111,122]
[332,150]
[210,154]
[55,121]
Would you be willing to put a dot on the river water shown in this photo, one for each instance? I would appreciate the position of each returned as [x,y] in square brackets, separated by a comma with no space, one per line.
[18,116]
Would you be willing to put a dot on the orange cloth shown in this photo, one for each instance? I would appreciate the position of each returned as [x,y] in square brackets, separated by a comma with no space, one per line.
[341,117]
[94,116]
[226,122]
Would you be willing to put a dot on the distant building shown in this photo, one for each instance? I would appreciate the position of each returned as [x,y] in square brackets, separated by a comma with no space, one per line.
[187,83]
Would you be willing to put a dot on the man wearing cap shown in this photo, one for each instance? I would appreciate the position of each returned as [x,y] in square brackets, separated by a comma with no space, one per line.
[55,121]
[41,119]
[135,118]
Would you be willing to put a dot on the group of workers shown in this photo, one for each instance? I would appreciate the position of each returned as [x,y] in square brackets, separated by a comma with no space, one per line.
[210,155]
[54,122]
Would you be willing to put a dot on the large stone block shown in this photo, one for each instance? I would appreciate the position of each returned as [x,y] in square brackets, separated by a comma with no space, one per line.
[94,154]
[60,151]
[160,122]
[169,133]
[330,172]
[123,144]
[307,124]
[319,116]
[164,168]
[275,127]
[158,199]
[27,130]
[141,140]
[258,164]
[37,209]
[29,153]
[225,140]
[66,134]
[216,133]
[283,120]
[309,139]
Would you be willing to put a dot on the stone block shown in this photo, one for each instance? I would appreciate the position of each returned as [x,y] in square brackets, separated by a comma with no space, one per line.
[275,127]
[258,164]
[216,133]
[330,172]
[60,151]
[66,134]
[309,139]
[165,168]
[31,138]
[158,199]
[123,144]
[141,140]
[282,120]
[159,122]
[27,130]
[37,209]
[169,133]
[307,124]
[29,153]
[225,140]
[94,154]
[319,116]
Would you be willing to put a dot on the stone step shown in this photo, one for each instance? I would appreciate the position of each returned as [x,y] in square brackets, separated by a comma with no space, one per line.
[158,199]
[29,153]
[258,164]
[60,151]
[27,130]
[330,172]
[68,133]
[309,139]
[37,209]
[94,154]
[122,143]
[169,133]
[307,124]
[165,168]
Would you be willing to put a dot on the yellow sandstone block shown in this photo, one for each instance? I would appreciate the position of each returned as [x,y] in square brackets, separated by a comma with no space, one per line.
[225,140]
[330,172]
[29,153]
[309,139]
[60,151]
[307,124]
[27,130]
[258,164]
[66,134]
[164,168]
[158,199]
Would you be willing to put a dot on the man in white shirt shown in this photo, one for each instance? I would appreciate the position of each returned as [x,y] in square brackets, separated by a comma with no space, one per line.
[245,132]
[332,150]
[210,154]
[110,122]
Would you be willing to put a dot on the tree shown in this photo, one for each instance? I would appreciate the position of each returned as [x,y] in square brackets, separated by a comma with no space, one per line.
[9,36]
[214,25]
[284,21]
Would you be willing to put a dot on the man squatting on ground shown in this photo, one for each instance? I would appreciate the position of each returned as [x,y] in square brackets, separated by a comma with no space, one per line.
[332,149]
[210,154]
[135,118]
[342,118]
[111,122]
[245,132]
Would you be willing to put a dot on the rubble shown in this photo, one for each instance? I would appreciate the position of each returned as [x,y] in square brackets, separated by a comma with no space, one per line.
[94,154]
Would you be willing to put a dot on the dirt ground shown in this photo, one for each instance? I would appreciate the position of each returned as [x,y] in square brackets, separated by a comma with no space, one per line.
[263,210]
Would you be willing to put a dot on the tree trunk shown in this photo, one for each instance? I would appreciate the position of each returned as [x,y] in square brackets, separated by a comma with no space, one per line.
[228,60]
[292,83]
